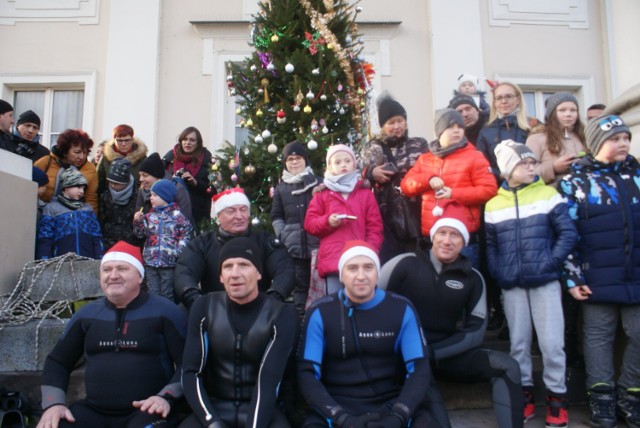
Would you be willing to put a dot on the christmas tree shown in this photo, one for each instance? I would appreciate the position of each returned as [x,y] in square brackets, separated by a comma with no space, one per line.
[305,81]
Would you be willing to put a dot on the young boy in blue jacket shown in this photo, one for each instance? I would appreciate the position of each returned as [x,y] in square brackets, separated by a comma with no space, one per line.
[529,236]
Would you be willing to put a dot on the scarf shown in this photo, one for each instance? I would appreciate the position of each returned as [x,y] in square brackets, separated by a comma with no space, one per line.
[439,151]
[123,196]
[70,203]
[189,162]
[306,177]
[344,183]
[513,113]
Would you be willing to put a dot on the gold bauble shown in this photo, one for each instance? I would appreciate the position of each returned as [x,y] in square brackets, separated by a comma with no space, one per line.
[275,38]
[307,109]
[249,169]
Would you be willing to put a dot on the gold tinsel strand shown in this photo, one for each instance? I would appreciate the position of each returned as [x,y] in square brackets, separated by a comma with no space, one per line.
[319,23]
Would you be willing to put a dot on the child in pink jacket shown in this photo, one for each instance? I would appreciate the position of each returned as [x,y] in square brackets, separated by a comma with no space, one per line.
[342,212]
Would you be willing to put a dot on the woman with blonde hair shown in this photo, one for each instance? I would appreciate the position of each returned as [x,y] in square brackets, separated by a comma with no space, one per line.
[507,121]
[561,141]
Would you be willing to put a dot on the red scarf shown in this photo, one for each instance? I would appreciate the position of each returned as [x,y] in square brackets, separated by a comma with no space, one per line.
[188,162]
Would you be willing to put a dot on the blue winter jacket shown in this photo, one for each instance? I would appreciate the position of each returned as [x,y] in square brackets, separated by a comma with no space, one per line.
[62,230]
[604,202]
[529,235]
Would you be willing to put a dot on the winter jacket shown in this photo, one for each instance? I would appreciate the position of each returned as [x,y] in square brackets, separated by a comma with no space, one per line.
[167,231]
[199,194]
[494,133]
[198,270]
[288,212]
[367,225]
[52,164]
[604,202]
[538,145]
[116,220]
[32,150]
[465,171]
[529,235]
[63,230]
[182,199]
[137,154]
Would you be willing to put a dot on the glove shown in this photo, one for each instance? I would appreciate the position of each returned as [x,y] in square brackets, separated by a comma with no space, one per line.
[390,421]
[359,421]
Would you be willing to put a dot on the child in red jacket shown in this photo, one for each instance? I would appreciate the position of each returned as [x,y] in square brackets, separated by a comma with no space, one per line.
[344,211]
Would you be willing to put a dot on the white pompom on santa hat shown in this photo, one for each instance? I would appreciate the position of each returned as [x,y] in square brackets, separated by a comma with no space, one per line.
[124,252]
[229,198]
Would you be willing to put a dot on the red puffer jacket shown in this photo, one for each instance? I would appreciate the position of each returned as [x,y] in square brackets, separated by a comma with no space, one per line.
[465,171]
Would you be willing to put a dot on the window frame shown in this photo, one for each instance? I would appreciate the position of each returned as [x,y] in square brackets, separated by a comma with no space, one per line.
[10,84]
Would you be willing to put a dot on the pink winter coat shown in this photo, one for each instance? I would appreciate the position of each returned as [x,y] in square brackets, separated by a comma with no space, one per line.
[368,225]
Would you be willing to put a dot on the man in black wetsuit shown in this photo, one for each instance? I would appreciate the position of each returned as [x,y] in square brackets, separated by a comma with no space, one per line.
[238,344]
[449,296]
[196,271]
[133,344]
[362,360]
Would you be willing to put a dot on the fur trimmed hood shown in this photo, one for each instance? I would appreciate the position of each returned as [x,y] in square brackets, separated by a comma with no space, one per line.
[137,154]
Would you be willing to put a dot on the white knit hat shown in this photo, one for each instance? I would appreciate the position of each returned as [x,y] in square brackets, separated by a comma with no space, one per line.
[229,198]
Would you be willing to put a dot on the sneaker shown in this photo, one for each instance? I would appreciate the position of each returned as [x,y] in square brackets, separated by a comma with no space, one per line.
[529,404]
[602,402]
[557,415]
[629,407]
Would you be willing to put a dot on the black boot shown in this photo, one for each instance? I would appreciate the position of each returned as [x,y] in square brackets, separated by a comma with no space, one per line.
[602,402]
[629,406]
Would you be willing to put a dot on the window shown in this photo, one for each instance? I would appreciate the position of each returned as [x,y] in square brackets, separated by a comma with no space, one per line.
[59,109]
[536,90]
[62,101]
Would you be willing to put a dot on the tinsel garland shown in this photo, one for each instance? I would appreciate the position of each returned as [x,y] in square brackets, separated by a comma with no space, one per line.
[319,23]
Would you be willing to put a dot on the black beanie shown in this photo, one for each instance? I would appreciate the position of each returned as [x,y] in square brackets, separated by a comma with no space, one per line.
[153,165]
[388,108]
[119,171]
[294,148]
[29,116]
[461,99]
[242,247]
[5,107]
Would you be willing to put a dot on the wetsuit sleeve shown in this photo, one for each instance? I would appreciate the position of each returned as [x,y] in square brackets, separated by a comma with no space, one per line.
[279,267]
[474,323]
[193,363]
[174,333]
[413,347]
[190,268]
[272,366]
[310,356]
[60,363]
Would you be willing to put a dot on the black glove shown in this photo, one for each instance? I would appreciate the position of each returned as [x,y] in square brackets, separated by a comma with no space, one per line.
[359,421]
[390,421]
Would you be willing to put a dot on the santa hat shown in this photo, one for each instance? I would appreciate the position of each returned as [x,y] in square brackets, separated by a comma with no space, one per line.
[355,248]
[453,216]
[124,252]
[229,198]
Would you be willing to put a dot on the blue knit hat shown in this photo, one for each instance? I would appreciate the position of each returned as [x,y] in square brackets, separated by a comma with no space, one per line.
[165,189]
[39,176]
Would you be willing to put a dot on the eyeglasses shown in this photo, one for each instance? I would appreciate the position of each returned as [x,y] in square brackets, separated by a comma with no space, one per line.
[508,97]
[124,140]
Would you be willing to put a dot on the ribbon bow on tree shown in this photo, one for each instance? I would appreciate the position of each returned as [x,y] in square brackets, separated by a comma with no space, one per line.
[314,42]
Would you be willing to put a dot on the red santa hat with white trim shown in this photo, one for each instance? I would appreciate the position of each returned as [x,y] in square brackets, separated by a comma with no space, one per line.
[124,252]
[454,216]
[229,198]
[355,248]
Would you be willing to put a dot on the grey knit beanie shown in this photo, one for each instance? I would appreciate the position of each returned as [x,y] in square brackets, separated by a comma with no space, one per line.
[601,128]
[445,118]
[509,154]
[555,100]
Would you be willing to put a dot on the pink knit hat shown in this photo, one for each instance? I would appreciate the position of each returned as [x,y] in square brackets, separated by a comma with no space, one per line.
[340,148]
